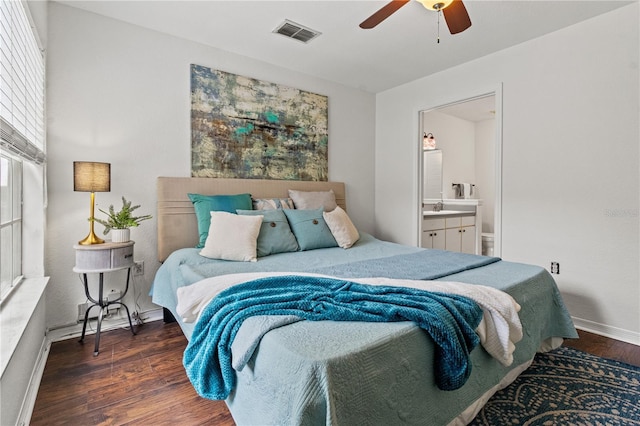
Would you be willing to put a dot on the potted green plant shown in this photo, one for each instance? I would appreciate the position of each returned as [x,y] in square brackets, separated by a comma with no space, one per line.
[119,222]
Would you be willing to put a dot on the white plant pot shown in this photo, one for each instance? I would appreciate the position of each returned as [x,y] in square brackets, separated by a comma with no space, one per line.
[120,235]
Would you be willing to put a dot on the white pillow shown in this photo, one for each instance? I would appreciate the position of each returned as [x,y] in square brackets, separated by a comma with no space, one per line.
[232,237]
[311,200]
[341,227]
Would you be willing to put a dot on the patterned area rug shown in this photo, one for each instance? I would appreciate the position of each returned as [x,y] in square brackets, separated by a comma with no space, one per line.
[568,387]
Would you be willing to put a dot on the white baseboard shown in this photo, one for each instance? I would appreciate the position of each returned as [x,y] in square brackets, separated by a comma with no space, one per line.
[72,331]
[607,331]
[24,417]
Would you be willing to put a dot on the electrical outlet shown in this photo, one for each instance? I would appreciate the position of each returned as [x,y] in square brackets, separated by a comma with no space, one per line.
[138,267]
[555,268]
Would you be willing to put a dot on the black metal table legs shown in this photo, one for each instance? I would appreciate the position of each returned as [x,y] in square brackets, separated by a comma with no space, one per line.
[103,304]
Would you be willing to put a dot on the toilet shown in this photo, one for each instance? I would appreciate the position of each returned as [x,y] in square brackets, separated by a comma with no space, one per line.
[487,244]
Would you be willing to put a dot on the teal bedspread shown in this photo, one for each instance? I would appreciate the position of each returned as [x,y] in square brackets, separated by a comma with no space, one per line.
[365,373]
[450,321]
[422,265]
[186,266]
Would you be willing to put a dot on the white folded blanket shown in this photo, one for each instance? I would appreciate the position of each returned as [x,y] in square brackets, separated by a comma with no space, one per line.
[499,330]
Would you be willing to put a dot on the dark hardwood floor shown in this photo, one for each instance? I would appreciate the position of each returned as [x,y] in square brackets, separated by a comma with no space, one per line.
[605,347]
[135,380]
[140,380]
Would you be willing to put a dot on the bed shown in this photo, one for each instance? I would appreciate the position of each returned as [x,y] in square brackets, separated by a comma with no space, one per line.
[346,372]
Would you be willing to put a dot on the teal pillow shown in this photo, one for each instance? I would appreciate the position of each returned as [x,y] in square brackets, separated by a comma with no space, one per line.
[275,234]
[310,229]
[205,204]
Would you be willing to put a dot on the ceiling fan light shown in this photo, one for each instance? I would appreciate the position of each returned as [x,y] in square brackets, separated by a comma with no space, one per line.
[435,4]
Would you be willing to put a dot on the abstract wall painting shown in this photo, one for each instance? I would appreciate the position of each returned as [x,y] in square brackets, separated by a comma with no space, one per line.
[246,128]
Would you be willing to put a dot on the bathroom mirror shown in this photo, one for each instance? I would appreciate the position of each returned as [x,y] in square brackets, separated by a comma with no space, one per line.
[432,163]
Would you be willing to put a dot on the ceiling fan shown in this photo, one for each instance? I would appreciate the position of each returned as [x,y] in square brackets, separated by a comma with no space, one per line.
[455,13]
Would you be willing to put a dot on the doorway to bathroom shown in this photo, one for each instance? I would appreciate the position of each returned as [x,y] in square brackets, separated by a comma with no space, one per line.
[468,135]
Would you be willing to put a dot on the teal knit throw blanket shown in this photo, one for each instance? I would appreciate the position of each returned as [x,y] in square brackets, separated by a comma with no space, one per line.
[450,320]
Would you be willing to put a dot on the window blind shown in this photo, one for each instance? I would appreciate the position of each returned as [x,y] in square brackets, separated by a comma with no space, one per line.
[22,125]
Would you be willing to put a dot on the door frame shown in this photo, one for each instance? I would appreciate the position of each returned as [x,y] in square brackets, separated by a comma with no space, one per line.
[497,219]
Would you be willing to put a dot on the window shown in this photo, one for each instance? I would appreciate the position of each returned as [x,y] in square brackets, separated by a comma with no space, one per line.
[10,223]
[22,133]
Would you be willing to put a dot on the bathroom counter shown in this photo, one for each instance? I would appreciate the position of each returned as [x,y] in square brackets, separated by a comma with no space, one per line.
[447,213]
[457,227]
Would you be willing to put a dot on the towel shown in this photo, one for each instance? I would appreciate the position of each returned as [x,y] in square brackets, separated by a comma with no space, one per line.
[459,190]
[466,190]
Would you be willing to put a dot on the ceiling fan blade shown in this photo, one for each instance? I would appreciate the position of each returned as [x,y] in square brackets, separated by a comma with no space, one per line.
[382,14]
[457,17]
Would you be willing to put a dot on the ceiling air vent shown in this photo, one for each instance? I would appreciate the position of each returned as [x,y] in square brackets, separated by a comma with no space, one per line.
[296,31]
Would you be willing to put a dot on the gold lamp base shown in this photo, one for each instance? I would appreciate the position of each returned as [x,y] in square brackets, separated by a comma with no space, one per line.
[92,238]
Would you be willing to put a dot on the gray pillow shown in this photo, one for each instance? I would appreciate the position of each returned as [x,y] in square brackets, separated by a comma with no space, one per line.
[309,200]
[272,203]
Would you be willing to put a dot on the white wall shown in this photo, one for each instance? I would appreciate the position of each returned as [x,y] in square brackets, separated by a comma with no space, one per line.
[120,94]
[485,133]
[456,138]
[570,160]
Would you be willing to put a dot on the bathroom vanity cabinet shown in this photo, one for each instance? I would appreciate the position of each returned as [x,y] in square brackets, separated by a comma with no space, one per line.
[453,231]
[460,234]
[433,234]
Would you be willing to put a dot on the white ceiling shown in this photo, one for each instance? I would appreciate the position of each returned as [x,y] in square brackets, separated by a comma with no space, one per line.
[475,110]
[399,50]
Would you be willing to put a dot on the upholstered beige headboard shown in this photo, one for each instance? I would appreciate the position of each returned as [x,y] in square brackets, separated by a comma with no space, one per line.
[177,225]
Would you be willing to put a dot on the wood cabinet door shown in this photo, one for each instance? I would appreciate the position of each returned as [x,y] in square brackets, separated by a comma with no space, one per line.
[468,239]
[453,239]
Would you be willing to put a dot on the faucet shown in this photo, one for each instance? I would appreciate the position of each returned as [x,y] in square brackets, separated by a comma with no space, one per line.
[438,206]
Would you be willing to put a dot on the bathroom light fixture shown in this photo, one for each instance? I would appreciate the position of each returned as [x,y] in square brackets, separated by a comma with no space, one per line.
[428,141]
[91,177]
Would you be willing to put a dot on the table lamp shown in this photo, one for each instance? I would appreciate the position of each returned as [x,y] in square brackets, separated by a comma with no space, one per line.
[91,177]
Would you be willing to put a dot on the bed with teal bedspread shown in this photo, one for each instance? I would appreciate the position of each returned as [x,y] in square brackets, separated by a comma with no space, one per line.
[348,372]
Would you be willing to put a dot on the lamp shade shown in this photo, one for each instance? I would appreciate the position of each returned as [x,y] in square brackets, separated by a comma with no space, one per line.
[91,176]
